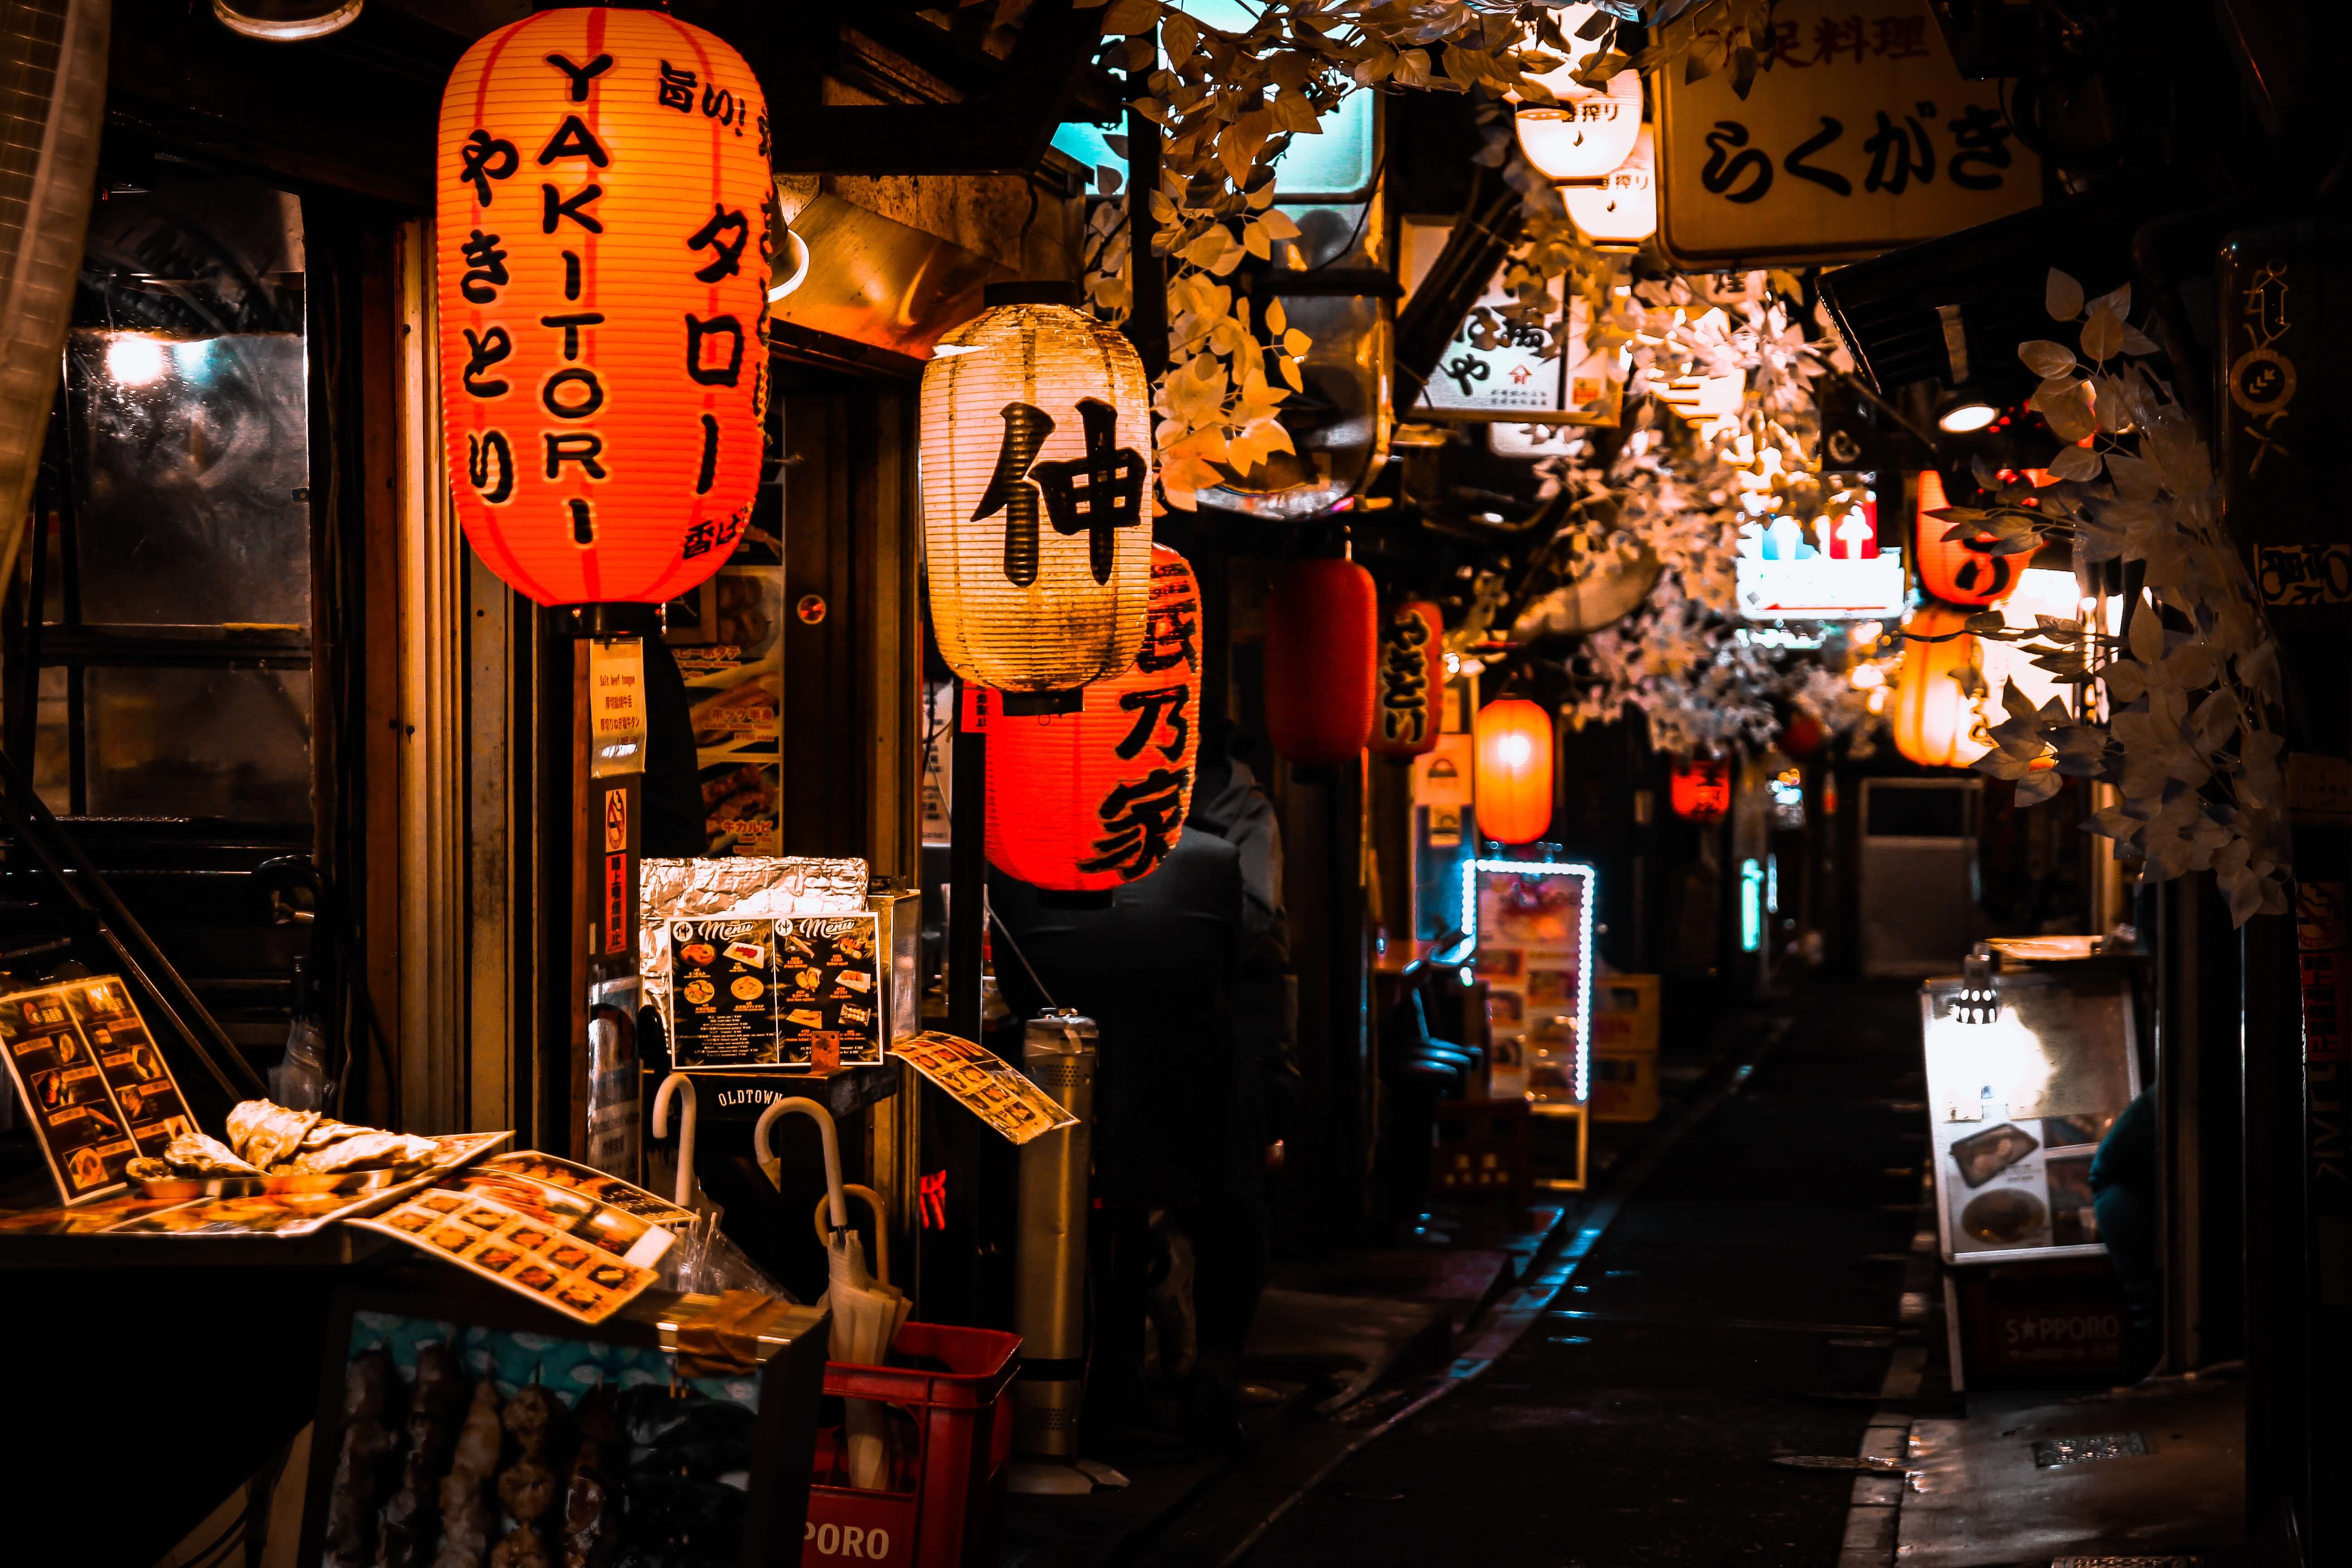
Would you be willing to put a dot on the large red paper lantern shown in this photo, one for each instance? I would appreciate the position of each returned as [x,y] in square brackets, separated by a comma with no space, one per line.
[1088,800]
[1700,788]
[1937,723]
[1513,787]
[605,225]
[1410,681]
[1959,570]
[1321,620]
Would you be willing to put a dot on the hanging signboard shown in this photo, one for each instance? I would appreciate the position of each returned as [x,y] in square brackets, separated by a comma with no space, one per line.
[1833,569]
[1860,137]
[1495,368]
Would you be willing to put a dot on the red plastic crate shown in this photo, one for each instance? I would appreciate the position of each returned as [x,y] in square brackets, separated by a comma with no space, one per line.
[945,1509]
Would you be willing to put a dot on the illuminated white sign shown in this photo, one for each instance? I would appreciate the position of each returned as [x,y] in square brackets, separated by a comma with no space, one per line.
[1821,588]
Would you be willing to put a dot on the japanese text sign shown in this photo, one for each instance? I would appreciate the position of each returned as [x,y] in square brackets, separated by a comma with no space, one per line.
[1496,368]
[1860,136]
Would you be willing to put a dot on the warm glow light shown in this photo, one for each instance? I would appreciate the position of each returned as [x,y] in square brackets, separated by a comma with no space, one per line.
[795,267]
[1957,570]
[1624,209]
[134,359]
[1936,722]
[605,198]
[1587,134]
[1036,472]
[1513,786]
[1965,417]
[286,21]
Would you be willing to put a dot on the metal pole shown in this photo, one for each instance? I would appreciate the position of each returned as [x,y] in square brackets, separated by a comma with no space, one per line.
[1049,1289]
[967,865]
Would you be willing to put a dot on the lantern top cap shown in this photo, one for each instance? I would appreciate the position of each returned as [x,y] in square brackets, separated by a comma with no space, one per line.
[1033,291]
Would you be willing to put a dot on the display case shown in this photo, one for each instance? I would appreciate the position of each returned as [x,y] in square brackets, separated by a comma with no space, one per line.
[1532,923]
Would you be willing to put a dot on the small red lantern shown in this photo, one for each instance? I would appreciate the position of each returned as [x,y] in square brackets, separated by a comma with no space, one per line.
[1411,680]
[1802,736]
[1958,570]
[1701,789]
[1321,621]
[1513,792]
[1080,802]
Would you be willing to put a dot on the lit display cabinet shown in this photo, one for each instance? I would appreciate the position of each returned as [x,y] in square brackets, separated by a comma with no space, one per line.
[1532,922]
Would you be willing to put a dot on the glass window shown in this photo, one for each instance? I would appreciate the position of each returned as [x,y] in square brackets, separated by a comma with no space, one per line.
[173,640]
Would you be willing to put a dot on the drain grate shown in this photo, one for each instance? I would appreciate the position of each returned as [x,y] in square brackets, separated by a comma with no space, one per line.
[2053,1452]
[2126,1562]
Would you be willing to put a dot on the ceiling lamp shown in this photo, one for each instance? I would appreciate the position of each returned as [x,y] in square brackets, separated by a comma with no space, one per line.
[604,240]
[1966,415]
[1623,211]
[1037,471]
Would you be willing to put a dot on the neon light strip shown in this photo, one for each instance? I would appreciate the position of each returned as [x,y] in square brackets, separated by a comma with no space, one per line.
[1470,870]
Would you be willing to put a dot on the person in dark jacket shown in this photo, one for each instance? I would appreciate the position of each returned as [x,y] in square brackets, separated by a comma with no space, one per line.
[1155,970]
[2123,1196]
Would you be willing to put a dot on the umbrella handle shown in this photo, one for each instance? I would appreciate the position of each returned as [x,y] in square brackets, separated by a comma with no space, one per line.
[670,1087]
[765,1150]
[881,1231]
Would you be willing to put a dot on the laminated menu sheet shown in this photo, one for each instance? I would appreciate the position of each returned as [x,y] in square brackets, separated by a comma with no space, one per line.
[97,1088]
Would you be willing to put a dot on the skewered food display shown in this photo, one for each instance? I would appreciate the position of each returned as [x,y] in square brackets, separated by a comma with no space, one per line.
[267,1139]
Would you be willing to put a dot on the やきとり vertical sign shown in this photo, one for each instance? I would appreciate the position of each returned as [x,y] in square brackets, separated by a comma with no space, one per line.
[1860,135]
[605,227]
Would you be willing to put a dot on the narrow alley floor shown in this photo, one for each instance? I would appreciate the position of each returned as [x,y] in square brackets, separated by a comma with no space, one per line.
[1744,1303]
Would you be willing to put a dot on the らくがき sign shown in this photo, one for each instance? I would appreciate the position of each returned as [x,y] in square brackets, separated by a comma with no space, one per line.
[1860,135]
[605,225]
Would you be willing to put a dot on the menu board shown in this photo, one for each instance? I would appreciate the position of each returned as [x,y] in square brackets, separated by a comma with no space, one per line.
[1533,922]
[527,1254]
[796,991]
[98,1090]
[2016,1110]
[829,989]
[988,1086]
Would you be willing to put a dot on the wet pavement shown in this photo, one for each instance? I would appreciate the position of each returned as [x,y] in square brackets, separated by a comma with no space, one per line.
[1744,1302]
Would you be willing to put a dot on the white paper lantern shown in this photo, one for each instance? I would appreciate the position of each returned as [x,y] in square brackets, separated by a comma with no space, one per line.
[1038,499]
[1586,134]
[1624,211]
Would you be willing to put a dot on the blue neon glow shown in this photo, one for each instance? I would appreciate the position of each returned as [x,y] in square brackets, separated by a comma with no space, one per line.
[1752,905]
[1470,869]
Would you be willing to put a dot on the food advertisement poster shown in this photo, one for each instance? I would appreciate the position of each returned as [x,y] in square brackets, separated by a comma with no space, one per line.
[829,985]
[990,1087]
[527,1255]
[723,993]
[2016,1107]
[96,1088]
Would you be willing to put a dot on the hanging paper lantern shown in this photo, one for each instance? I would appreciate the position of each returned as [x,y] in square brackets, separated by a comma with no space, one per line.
[1036,498]
[606,226]
[1587,134]
[1319,634]
[1700,789]
[1410,681]
[1513,787]
[1936,723]
[1623,209]
[1089,800]
[1958,570]
[1802,736]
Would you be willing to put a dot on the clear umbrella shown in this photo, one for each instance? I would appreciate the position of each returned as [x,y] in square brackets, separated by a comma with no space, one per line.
[866,1312]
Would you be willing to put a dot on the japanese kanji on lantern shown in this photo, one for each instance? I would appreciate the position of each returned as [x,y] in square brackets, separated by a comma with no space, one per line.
[1036,498]
[605,229]
[1700,788]
[1089,800]
[1963,571]
[1409,682]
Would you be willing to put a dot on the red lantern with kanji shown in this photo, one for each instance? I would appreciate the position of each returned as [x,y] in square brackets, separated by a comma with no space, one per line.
[605,223]
[1320,626]
[1512,790]
[1700,788]
[1961,571]
[1409,682]
[1080,802]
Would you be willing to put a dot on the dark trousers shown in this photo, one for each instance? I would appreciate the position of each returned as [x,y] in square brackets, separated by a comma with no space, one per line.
[1230,1261]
